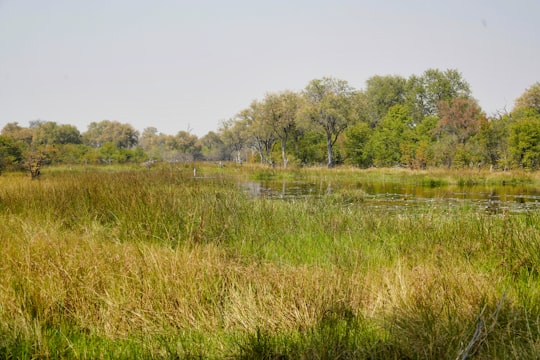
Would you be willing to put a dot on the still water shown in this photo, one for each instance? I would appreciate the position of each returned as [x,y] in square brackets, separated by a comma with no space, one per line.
[399,197]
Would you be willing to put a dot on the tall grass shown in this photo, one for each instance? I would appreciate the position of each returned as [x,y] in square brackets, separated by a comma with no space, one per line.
[159,264]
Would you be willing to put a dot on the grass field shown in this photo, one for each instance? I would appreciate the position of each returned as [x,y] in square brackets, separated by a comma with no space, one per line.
[135,263]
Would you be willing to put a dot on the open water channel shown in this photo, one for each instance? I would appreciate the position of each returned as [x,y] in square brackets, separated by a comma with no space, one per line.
[404,198]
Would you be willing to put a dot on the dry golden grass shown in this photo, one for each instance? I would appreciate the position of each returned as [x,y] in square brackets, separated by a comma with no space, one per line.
[416,285]
[114,289]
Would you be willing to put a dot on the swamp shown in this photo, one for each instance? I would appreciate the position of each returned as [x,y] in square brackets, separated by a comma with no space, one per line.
[246,262]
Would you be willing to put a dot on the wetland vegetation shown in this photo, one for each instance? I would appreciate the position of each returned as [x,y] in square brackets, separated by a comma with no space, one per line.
[124,262]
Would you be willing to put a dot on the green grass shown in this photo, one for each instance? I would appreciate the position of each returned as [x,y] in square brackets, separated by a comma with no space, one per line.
[137,263]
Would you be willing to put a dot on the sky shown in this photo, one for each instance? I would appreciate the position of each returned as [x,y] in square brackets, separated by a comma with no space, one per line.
[189,65]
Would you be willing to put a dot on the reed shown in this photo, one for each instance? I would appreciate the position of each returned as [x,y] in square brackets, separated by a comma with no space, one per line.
[159,264]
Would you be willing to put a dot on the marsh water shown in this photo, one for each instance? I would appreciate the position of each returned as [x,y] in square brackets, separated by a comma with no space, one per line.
[400,197]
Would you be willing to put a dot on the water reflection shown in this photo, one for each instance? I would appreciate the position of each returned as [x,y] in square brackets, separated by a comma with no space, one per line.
[399,197]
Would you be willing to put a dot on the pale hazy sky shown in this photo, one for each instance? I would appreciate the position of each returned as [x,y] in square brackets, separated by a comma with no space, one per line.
[188,65]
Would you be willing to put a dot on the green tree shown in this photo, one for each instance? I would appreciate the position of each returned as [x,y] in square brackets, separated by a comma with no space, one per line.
[356,139]
[311,147]
[530,99]
[524,131]
[212,147]
[425,93]
[50,133]
[383,92]
[282,110]
[18,133]
[234,135]
[123,136]
[469,154]
[10,153]
[258,130]
[389,137]
[72,153]
[329,107]
[109,153]
[157,146]
[149,141]
[493,138]
[424,136]
[444,150]
[186,144]
[524,142]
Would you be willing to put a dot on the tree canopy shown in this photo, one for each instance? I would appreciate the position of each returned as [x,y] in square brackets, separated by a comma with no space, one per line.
[426,120]
[329,107]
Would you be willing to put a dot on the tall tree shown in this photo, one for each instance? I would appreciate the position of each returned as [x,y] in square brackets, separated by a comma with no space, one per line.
[149,138]
[18,133]
[524,142]
[123,136]
[155,144]
[493,137]
[328,106]
[461,117]
[383,92]
[10,153]
[259,130]
[186,144]
[282,111]
[425,136]
[212,147]
[386,143]
[356,139]
[425,93]
[50,133]
[530,99]
[234,136]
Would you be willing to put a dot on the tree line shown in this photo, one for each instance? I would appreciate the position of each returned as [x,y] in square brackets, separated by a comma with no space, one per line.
[428,120]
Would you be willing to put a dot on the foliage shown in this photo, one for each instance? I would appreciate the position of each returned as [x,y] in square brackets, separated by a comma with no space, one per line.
[382,93]
[420,122]
[356,140]
[312,148]
[282,111]
[212,147]
[433,87]
[260,132]
[10,153]
[328,106]
[460,117]
[106,131]
[493,139]
[50,133]
[524,142]
[530,99]
[234,135]
[385,145]
[18,133]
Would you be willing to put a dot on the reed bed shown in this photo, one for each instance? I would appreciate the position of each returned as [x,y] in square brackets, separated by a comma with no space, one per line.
[161,264]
